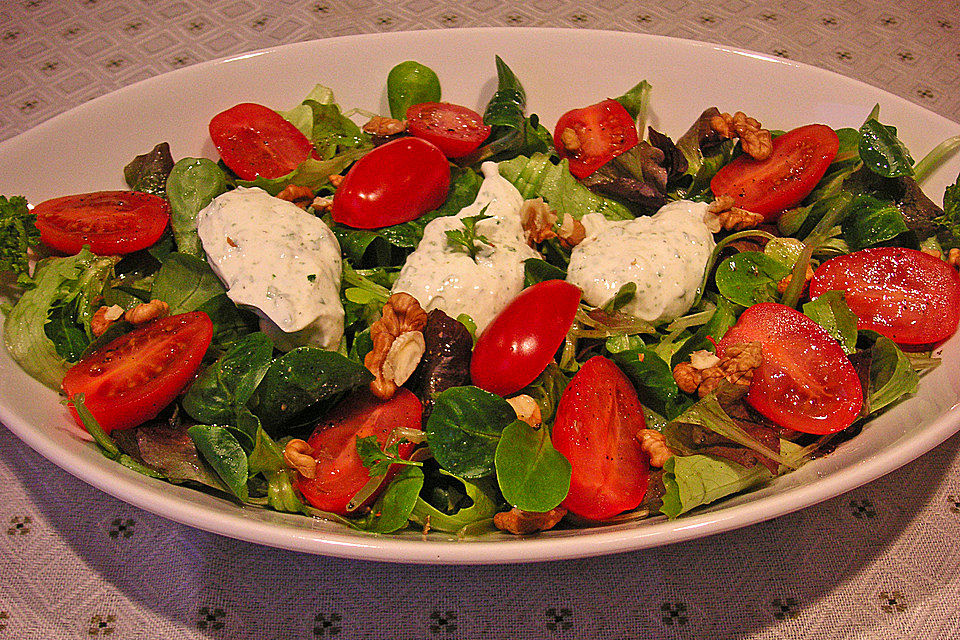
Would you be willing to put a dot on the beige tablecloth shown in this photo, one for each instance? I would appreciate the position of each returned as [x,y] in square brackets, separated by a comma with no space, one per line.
[879,562]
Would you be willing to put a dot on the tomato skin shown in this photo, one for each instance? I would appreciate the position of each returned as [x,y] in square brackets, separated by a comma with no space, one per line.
[340,472]
[604,131]
[454,129]
[131,379]
[806,382]
[799,159]
[906,295]
[254,140]
[519,343]
[396,182]
[598,419]
[110,222]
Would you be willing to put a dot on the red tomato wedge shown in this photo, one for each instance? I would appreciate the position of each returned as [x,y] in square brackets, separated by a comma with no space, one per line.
[396,182]
[906,295]
[800,158]
[806,382]
[110,222]
[519,343]
[593,136]
[130,380]
[454,129]
[598,419]
[254,140]
[340,472]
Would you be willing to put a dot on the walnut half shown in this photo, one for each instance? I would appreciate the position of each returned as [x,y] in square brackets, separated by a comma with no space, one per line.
[722,215]
[521,523]
[398,344]
[754,139]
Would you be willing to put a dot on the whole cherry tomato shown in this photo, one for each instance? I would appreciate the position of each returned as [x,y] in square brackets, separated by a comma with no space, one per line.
[806,382]
[906,295]
[131,379]
[799,159]
[593,136]
[254,140]
[519,343]
[396,182]
[454,129]
[111,222]
[598,419]
[340,473]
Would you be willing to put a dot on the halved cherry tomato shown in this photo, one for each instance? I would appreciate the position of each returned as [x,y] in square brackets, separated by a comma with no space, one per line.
[806,382]
[799,159]
[598,419]
[254,140]
[340,473]
[519,343]
[593,136]
[454,129]
[906,295]
[111,222]
[131,379]
[396,182]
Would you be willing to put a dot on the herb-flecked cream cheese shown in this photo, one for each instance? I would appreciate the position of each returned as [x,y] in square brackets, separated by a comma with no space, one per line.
[278,260]
[441,275]
[664,254]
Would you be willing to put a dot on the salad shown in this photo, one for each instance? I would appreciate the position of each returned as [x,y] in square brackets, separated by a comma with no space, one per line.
[462,322]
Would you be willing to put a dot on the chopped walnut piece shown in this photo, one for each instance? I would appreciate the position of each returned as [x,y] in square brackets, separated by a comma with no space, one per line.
[540,223]
[755,140]
[570,140]
[654,444]
[953,258]
[103,318]
[392,366]
[335,179]
[703,359]
[522,523]
[527,410]
[721,214]
[300,196]
[322,204]
[383,126]
[147,311]
[736,367]
[298,454]
[783,284]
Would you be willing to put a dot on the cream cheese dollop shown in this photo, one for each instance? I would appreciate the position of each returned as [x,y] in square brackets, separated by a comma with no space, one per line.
[443,276]
[278,260]
[664,255]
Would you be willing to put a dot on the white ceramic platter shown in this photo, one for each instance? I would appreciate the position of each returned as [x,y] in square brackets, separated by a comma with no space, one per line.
[86,148]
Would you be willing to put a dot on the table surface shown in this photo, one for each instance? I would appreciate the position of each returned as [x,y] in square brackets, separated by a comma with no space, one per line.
[879,562]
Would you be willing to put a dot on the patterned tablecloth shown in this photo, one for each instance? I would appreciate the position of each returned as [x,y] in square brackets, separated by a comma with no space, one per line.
[879,562]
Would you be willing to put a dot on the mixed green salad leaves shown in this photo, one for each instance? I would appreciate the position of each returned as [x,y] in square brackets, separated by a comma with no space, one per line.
[227,431]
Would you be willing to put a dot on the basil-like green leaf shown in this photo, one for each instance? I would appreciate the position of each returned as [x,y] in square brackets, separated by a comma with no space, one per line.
[392,509]
[537,270]
[651,376]
[148,172]
[882,152]
[479,507]
[301,379]
[464,428]
[222,452]
[831,312]
[185,283]
[892,376]
[869,222]
[532,475]
[193,183]
[749,278]
[411,83]
[229,383]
